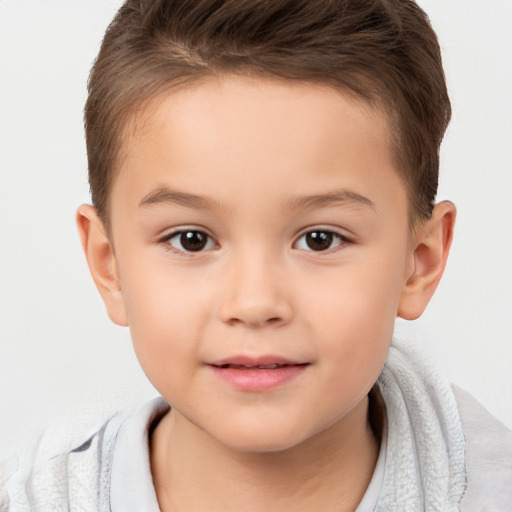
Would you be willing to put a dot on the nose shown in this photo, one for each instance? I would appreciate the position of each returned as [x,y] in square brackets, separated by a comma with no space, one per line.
[256,294]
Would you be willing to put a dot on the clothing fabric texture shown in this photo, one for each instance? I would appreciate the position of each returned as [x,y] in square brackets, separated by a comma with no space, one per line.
[442,452]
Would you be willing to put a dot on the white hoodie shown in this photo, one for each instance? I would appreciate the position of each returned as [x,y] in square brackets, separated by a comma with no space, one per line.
[442,452]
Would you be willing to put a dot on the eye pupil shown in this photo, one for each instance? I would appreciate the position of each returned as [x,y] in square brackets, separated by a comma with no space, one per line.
[319,240]
[193,240]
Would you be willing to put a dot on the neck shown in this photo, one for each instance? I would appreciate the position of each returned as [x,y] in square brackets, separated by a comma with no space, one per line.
[331,471]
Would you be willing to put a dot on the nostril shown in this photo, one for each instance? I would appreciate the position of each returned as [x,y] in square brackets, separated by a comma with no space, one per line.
[275,320]
[254,322]
[255,310]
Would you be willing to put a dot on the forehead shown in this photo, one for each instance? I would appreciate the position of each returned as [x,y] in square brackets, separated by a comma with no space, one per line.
[284,134]
[236,100]
[233,97]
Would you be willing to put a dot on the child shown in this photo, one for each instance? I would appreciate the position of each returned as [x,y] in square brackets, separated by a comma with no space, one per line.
[263,178]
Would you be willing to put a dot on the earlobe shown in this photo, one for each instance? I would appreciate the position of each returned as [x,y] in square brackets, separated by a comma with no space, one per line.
[429,255]
[102,263]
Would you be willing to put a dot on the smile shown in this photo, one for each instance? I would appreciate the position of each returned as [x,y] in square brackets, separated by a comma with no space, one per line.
[259,366]
[257,375]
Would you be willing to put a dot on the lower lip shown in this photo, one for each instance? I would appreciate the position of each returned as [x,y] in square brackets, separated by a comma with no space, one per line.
[257,380]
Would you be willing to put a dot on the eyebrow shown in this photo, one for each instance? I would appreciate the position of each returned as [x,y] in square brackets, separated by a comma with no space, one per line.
[165,195]
[331,198]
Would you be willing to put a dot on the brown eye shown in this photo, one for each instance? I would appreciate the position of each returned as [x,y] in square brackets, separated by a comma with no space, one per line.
[191,241]
[319,240]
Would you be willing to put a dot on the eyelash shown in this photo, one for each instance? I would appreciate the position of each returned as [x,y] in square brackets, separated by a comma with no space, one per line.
[177,235]
[325,236]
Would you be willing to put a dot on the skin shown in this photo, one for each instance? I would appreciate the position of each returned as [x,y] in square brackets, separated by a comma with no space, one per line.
[267,162]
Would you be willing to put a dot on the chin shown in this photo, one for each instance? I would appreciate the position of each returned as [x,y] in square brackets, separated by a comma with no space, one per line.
[264,446]
[261,438]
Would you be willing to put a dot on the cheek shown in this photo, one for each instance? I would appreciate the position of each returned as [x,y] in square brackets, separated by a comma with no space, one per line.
[362,296]
[158,299]
[165,322]
[356,312]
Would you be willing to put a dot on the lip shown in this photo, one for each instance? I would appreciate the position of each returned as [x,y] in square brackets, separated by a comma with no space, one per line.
[257,374]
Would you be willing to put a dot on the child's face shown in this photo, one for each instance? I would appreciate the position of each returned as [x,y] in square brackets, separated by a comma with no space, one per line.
[260,222]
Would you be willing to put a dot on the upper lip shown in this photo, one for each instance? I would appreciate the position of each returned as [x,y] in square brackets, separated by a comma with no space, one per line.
[267,360]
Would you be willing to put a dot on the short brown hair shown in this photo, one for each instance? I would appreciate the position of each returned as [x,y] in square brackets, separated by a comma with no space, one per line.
[383,51]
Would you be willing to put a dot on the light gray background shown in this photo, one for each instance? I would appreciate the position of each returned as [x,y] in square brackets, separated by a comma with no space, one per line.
[59,353]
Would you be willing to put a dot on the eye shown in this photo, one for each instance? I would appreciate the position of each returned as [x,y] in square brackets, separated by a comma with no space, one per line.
[320,240]
[190,240]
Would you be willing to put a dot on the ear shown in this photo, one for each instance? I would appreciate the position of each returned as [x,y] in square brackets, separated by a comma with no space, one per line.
[431,245]
[102,263]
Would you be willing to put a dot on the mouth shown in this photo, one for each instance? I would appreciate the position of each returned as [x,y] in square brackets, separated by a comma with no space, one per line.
[265,362]
[272,366]
[257,375]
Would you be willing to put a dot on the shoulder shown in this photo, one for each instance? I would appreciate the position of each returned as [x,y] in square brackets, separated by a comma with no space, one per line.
[488,457]
[56,470]
[65,469]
